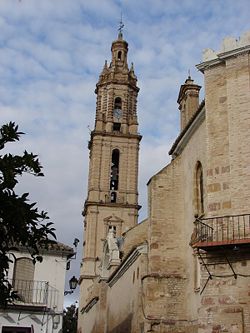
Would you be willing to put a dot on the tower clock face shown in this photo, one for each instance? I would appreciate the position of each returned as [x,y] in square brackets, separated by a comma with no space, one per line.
[117,113]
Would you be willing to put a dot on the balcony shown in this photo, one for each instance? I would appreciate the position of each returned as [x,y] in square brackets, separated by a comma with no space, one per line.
[231,230]
[35,293]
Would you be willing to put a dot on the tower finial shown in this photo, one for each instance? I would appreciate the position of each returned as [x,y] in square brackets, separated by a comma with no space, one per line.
[189,75]
[121,26]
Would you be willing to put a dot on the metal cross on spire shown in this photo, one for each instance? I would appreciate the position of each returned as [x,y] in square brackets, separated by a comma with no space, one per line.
[121,26]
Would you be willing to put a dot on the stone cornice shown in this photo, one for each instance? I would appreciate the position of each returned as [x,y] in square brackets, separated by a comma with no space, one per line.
[109,81]
[116,134]
[85,277]
[110,204]
[221,57]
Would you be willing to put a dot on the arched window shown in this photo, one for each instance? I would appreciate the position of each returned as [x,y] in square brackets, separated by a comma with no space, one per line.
[24,278]
[119,55]
[24,269]
[118,103]
[114,174]
[199,189]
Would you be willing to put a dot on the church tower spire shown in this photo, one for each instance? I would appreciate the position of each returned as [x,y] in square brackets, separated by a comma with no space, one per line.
[117,90]
[112,199]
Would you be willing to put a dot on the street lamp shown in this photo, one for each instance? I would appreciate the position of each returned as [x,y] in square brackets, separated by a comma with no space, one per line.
[73,282]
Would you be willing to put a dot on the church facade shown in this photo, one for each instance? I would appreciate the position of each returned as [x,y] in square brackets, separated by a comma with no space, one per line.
[186,268]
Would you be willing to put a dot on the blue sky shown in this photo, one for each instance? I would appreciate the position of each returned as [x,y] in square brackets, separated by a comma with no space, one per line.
[52,52]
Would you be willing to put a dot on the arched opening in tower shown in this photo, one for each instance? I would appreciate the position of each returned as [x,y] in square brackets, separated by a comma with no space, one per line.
[119,55]
[118,103]
[114,174]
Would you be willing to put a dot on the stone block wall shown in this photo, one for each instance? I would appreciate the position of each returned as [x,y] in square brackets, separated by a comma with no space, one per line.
[171,286]
[225,302]
[228,122]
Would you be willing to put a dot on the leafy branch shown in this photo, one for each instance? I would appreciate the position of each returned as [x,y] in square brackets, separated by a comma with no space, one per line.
[21,223]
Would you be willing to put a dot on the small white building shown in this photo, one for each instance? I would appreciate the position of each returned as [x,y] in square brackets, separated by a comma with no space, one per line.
[40,288]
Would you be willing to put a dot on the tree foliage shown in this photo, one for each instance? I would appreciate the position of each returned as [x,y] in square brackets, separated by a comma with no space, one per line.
[21,223]
[70,316]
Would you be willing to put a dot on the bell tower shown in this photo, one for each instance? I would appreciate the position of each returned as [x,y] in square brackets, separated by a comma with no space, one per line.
[112,199]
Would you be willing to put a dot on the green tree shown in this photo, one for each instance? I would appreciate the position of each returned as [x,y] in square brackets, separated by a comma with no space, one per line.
[21,223]
[70,316]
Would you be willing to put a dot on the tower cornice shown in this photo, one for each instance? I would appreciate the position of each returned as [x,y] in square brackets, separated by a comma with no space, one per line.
[106,82]
[115,134]
[111,204]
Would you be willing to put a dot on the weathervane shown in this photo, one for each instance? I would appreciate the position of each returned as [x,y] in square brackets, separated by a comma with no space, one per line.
[121,26]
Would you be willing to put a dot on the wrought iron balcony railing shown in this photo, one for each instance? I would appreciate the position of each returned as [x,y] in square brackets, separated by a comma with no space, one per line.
[38,293]
[222,230]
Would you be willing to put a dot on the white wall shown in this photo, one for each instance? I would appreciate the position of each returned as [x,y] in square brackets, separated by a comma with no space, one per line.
[51,270]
